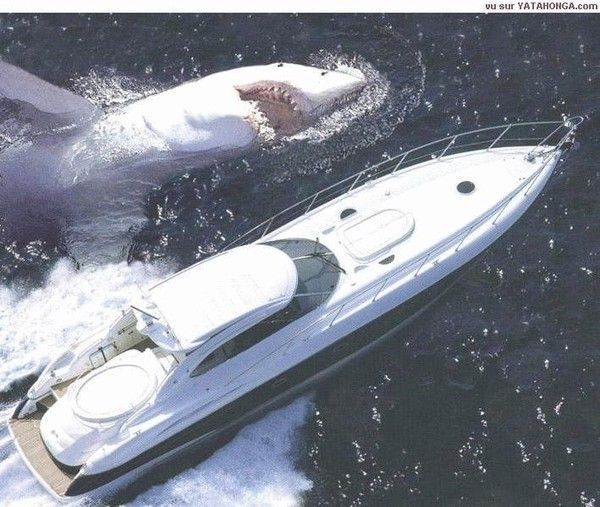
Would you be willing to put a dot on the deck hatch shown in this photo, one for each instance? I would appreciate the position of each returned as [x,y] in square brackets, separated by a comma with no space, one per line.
[370,236]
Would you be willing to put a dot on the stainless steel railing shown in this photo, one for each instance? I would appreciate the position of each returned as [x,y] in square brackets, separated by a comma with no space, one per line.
[412,268]
[547,136]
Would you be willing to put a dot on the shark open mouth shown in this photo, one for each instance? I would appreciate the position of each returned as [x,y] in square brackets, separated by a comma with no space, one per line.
[281,104]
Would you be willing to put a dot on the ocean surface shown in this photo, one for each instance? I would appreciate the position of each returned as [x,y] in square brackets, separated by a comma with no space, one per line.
[491,398]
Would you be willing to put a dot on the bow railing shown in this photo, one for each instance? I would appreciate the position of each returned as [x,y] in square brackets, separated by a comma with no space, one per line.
[544,136]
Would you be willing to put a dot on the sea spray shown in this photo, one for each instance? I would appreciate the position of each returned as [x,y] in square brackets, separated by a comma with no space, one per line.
[36,324]
[255,469]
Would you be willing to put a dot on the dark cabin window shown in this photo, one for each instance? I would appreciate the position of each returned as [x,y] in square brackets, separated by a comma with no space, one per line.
[215,358]
[316,281]
[262,330]
[249,338]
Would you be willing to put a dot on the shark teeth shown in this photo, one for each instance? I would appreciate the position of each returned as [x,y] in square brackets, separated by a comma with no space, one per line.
[271,93]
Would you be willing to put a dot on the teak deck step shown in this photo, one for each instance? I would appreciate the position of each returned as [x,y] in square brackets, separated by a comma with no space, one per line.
[27,436]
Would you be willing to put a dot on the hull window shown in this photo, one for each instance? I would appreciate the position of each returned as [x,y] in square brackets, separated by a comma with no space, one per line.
[346,213]
[387,260]
[248,338]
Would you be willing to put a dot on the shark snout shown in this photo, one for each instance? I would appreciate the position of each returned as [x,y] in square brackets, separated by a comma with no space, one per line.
[342,89]
[294,96]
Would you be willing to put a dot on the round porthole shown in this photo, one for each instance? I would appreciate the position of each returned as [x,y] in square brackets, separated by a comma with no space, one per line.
[346,213]
[465,187]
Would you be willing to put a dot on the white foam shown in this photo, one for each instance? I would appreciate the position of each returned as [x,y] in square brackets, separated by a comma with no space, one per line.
[107,87]
[19,487]
[255,469]
[35,325]
[361,122]
[372,98]
[378,96]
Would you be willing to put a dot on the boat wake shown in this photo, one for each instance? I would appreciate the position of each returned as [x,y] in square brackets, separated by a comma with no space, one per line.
[37,323]
[255,468]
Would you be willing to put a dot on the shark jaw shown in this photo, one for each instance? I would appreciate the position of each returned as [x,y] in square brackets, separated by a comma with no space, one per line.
[278,103]
[225,111]
[290,107]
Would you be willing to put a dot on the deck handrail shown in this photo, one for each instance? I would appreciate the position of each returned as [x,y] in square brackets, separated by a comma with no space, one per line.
[412,267]
[445,146]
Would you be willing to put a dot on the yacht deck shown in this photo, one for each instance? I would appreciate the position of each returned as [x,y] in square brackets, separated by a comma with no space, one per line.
[26,434]
[429,201]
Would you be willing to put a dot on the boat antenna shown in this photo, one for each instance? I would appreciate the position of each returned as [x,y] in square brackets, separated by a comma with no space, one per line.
[144,312]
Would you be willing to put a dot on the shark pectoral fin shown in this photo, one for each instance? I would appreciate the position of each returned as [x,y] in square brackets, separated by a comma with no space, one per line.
[42,102]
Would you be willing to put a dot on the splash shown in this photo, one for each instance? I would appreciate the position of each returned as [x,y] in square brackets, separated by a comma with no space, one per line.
[19,487]
[255,469]
[379,109]
[107,87]
[12,128]
[361,122]
[375,94]
[36,324]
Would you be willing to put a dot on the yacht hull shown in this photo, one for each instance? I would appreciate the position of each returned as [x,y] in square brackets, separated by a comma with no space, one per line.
[205,436]
[386,285]
[348,336]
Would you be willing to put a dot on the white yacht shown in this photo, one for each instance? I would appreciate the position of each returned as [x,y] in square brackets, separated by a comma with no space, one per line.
[308,290]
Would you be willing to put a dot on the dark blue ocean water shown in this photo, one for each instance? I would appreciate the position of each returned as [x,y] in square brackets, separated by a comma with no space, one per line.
[492,398]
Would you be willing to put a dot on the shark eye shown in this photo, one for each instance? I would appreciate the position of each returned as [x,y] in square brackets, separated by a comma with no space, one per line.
[323,73]
[280,65]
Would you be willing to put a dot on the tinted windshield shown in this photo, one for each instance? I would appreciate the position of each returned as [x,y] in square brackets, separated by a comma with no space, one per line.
[318,271]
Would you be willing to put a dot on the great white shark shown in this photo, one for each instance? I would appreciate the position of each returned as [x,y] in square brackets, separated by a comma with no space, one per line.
[90,169]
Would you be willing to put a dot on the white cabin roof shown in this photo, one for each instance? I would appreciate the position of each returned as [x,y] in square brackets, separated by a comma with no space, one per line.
[241,286]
